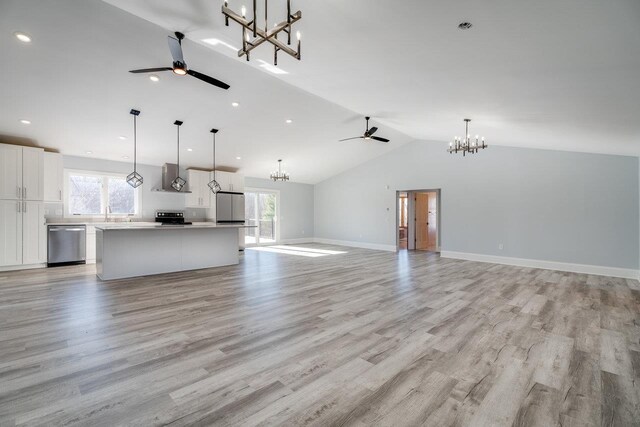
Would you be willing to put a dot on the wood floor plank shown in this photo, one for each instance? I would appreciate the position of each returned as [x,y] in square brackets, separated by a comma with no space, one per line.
[357,338]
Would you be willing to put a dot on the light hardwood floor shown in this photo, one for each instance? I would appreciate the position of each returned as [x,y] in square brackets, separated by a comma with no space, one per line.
[356,338]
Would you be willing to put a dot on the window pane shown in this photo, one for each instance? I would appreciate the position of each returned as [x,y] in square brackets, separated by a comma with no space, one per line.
[84,195]
[266,214]
[121,196]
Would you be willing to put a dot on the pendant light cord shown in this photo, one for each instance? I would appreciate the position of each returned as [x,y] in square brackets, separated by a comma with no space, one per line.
[178,164]
[214,156]
[135,140]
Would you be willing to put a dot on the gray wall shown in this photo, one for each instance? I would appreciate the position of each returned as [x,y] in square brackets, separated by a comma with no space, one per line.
[544,205]
[151,200]
[296,207]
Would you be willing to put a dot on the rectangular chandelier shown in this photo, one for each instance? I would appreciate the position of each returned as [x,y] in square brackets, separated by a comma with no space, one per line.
[254,35]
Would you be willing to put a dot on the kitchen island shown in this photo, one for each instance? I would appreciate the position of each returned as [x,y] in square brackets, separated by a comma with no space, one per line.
[130,250]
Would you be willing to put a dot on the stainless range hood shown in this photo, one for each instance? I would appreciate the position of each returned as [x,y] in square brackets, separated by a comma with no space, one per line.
[169,173]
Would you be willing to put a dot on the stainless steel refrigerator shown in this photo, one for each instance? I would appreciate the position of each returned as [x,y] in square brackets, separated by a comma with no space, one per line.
[229,207]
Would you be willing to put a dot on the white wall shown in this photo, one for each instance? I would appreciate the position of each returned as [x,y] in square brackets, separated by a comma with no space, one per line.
[296,207]
[151,200]
[542,205]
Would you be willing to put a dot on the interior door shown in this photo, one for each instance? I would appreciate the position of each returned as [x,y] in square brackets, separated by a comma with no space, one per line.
[432,221]
[10,232]
[422,221]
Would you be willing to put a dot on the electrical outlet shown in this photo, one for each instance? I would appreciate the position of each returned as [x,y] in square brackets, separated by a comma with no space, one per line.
[500,246]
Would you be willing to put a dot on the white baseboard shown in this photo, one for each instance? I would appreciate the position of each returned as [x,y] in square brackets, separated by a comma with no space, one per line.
[296,241]
[22,267]
[364,245]
[597,270]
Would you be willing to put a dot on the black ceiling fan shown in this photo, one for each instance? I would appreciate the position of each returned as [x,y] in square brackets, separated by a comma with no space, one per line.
[179,66]
[368,134]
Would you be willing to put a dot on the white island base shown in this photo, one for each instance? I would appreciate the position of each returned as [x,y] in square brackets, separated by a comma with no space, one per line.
[128,251]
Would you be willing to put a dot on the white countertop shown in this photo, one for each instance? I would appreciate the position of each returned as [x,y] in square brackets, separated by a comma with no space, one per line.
[157,226]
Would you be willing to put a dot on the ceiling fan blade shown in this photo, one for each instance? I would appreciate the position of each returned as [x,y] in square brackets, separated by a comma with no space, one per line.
[151,70]
[208,79]
[176,49]
[377,138]
[372,131]
[348,139]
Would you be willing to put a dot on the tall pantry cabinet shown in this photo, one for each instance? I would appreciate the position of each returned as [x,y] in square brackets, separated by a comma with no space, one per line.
[23,239]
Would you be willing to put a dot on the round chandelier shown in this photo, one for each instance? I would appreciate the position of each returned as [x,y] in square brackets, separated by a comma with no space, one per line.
[279,175]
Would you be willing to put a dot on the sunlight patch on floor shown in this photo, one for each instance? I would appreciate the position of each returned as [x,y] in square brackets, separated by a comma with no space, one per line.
[297,250]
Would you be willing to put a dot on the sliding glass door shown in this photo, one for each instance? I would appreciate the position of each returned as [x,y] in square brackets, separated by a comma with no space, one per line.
[261,210]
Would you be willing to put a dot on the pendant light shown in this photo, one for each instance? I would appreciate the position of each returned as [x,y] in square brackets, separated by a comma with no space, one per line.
[134,179]
[213,184]
[178,183]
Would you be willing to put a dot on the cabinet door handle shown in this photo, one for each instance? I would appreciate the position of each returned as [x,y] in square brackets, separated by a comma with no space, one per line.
[24,207]
[24,190]
[18,207]
[60,191]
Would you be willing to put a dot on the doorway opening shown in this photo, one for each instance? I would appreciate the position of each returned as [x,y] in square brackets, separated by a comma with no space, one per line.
[418,225]
[262,211]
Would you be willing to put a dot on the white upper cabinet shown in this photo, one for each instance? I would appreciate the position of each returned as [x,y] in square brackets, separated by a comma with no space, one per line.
[22,173]
[197,182]
[10,172]
[233,182]
[53,177]
[32,173]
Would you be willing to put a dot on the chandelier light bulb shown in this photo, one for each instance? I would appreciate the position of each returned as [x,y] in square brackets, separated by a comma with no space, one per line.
[298,35]
[261,35]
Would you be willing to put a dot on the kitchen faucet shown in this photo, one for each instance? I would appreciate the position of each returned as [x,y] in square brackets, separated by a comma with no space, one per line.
[107,211]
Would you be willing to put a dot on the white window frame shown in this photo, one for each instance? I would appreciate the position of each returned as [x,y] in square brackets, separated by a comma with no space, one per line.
[278,220]
[103,195]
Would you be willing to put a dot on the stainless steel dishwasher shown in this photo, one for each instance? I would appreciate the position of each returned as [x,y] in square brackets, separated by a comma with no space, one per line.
[66,244]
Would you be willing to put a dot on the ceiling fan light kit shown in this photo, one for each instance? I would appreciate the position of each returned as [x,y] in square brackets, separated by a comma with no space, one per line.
[466,144]
[179,66]
[279,175]
[178,183]
[134,179]
[253,35]
[213,184]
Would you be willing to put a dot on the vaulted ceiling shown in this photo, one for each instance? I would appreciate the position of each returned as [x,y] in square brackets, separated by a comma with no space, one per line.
[544,74]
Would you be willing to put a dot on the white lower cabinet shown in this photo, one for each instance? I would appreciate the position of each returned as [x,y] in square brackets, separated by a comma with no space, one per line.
[34,233]
[10,233]
[23,239]
[90,246]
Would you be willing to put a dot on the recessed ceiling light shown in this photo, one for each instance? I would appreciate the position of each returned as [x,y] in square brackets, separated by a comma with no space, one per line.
[154,78]
[288,120]
[125,157]
[25,121]
[235,104]
[189,149]
[465,25]
[238,158]
[24,38]
[122,137]
[89,152]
